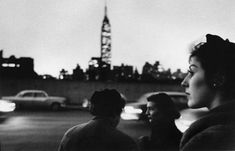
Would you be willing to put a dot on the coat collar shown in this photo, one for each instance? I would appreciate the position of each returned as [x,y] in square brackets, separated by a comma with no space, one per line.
[223,114]
[226,107]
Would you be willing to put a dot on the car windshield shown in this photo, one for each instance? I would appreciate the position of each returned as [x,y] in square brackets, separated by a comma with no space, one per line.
[29,94]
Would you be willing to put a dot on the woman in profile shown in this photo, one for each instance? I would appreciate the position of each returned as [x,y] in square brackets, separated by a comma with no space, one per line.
[211,83]
[161,113]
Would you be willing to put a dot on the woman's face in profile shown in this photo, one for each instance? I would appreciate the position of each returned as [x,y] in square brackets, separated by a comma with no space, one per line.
[151,111]
[196,87]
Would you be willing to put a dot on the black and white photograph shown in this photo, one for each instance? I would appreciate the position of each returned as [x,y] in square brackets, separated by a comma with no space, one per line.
[117,75]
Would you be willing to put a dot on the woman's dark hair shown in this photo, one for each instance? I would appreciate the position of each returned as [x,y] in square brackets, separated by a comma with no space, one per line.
[217,58]
[165,105]
[108,103]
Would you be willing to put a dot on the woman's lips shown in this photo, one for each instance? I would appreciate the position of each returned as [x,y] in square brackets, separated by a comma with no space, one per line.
[188,95]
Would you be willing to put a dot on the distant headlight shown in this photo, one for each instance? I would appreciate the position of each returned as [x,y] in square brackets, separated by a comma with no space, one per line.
[132,110]
[85,103]
[7,106]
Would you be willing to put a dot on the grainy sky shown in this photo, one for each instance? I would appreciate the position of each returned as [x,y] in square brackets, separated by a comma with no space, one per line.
[63,33]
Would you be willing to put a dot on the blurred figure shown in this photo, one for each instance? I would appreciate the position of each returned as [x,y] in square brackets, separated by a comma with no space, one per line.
[162,113]
[100,133]
[211,83]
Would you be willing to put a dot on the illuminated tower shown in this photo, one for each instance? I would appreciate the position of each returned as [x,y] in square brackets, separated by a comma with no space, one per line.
[99,67]
[106,41]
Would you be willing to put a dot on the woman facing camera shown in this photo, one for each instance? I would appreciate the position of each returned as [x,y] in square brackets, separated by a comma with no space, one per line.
[211,83]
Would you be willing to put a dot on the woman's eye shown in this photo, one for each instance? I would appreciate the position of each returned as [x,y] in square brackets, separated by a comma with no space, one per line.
[190,72]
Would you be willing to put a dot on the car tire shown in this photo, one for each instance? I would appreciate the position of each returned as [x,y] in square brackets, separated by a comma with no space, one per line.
[55,106]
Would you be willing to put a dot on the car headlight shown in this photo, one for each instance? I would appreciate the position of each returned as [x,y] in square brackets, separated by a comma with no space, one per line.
[132,110]
[6,106]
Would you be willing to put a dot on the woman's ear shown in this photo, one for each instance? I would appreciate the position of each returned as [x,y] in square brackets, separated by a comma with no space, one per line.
[218,81]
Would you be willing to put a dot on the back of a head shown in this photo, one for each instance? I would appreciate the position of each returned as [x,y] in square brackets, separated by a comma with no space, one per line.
[164,104]
[217,58]
[108,103]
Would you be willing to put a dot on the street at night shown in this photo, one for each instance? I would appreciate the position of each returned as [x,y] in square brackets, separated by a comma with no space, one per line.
[43,130]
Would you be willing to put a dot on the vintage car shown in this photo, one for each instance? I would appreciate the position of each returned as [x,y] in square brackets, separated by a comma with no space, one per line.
[36,98]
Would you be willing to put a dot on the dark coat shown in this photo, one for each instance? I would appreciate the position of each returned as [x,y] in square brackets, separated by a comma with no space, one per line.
[97,134]
[164,136]
[215,131]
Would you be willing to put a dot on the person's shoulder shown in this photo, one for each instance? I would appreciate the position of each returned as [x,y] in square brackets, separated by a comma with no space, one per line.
[219,137]
[127,142]
[75,129]
[69,136]
[219,132]
[124,136]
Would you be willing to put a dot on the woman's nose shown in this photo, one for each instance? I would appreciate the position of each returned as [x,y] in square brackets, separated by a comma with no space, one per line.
[147,112]
[184,83]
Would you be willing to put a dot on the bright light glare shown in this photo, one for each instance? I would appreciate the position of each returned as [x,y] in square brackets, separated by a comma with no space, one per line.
[132,110]
[6,106]
[85,103]
[126,116]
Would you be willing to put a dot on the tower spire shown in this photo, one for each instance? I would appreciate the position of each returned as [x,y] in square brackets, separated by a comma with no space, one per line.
[105,8]
[106,38]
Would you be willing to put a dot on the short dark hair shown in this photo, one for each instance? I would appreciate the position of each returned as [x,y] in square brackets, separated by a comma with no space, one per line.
[164,104]
[107,102]
[217,58]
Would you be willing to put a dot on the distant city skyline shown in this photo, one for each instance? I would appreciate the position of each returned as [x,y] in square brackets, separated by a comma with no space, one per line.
[62,34]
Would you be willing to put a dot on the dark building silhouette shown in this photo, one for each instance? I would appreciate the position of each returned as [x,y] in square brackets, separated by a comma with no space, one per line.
[147,72]
[123,73]
[64,75]
[13,67]
[136,75]
[98,70]
[78,73]
[155,72]
[94,68]
[178,74]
